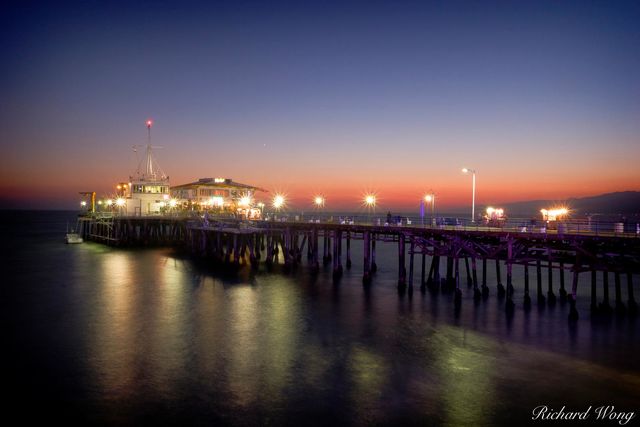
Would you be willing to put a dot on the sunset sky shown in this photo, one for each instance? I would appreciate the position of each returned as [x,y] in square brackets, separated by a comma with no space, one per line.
[541,98]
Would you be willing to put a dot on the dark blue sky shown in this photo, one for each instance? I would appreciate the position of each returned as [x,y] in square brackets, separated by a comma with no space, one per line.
[543,98]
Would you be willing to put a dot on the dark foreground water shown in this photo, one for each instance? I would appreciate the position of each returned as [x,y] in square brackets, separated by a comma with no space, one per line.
[98,335]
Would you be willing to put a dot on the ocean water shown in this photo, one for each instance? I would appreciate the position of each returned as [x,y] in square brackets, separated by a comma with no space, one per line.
[108,336]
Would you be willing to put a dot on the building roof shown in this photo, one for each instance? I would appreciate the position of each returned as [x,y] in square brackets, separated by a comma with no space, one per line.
[226,183]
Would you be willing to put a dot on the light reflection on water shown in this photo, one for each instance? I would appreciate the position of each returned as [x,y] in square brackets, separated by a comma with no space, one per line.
[146,335]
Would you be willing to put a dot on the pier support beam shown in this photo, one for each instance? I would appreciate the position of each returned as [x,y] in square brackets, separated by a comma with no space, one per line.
[527,297]
[337,262]
[540,298]
[477,294]
[432,282]
[551,297]
[402,272]
[631,301]
[509,304]
[468,271]
[348,250]
[563,291]
[374,266]
[449,281]
[423,272]
[501,290]
[458,292]
[485,288]
[313,244]
[326,254]
[573,312]
[411,254]
[620,307]
[605,307]
[366,267]
[594,293]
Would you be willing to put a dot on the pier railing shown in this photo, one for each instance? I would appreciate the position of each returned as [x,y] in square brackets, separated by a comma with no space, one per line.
[630,229]
[512,225]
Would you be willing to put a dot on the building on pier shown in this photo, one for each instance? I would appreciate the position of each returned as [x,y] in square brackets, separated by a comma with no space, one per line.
[148,190]
[219,195]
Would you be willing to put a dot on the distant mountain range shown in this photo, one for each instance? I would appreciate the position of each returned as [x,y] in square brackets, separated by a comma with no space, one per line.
[624,202]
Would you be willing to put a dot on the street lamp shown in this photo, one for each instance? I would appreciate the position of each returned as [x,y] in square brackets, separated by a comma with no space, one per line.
[473,196]
[319,201]
[278,201]
[120,202]
[431,199]
[370,200]
[370,203]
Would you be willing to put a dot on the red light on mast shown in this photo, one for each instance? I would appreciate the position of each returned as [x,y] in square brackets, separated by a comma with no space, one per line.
[149,123]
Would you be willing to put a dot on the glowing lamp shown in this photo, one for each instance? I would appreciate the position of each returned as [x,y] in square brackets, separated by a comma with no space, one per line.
[173,203]
[216,201]
[109,202]
[278,201]
[554,214]
[83,203]
[319,201]
[370,200]
[244,201]
[120,202]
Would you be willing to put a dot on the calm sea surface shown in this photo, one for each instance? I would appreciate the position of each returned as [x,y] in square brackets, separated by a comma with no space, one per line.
[100,335]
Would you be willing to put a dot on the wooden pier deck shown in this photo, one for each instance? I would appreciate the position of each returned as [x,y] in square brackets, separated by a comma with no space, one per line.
[228,242]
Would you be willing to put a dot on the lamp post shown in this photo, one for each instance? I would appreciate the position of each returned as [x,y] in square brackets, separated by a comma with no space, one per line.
[318,201]
[431,199]
[120,202]
[278,202]
[473,196]
[370,202]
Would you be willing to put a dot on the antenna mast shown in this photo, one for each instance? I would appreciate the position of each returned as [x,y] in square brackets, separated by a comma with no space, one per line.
[149,158]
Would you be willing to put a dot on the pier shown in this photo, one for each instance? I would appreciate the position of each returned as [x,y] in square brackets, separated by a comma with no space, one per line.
[442,256]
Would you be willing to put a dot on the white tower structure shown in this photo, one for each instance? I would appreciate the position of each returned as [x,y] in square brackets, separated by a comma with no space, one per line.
[149,188]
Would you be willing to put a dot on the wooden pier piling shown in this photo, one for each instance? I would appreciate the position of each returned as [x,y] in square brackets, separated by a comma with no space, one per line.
[551,297]
[402,272]
[594,293]
[485,288]
[631,301]
[540,296]
[348,263]
[527,296]
[366,275]
[620,307]
[500,286]
[563,291]
[605,307]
